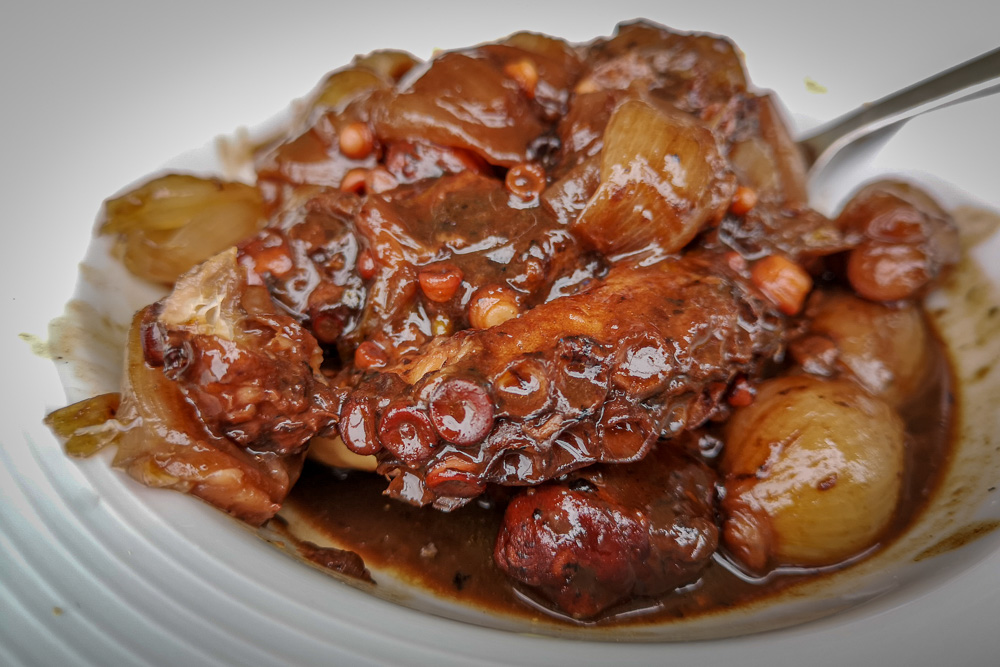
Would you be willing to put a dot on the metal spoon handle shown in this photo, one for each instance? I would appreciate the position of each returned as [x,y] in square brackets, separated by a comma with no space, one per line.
[956,84]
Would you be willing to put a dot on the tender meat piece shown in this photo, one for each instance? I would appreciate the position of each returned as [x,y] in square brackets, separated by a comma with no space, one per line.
[460,100]
[313,157]
[307,257]
[608,533]
[903,241]
[691,69]
[797,232]
[251,372]
[411,161]
[437,248]
[693,73]
[396,268]
[760,148]
[596,376]
[221,394]
[544,68]
[163,442]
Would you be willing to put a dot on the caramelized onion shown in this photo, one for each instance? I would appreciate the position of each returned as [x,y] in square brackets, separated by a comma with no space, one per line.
[168,225]
[86,426]
[885,348]
[662,179]
[888,272]
[905,240]
[813,472]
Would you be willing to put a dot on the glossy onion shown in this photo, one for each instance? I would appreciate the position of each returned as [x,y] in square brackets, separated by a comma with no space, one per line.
[884,348]
[84,426]
[334,453]
[172,223]
[662,178]
[342,87]
[905,241]
[812,473]
[389,63]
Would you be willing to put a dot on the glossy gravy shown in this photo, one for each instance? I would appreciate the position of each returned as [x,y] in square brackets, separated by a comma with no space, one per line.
[451,554]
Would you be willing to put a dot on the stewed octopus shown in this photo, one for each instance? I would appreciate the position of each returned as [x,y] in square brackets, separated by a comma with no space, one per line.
[540,276]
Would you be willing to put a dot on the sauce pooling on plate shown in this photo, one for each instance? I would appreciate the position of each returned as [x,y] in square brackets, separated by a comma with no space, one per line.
[566,307]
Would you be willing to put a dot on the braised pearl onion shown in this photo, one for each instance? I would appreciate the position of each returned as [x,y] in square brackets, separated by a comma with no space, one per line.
[813,471]
[884,348]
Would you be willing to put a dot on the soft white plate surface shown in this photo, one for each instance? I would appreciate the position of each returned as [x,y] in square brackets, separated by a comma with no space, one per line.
[97,570]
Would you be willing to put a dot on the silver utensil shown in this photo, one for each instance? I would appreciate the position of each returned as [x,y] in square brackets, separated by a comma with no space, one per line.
[972,79]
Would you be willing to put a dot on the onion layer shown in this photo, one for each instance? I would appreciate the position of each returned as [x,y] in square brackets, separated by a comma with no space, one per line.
[812,471]
[662,179]
[172,223]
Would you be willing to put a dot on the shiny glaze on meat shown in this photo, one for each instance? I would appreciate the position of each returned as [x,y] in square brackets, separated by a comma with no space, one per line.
[596,376]
[645,529]
[452,553]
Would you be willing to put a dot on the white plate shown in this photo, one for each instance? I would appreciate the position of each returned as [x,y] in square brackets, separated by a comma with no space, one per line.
[95,569]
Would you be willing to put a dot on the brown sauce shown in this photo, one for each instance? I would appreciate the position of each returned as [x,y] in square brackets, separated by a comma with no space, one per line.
[451,554]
